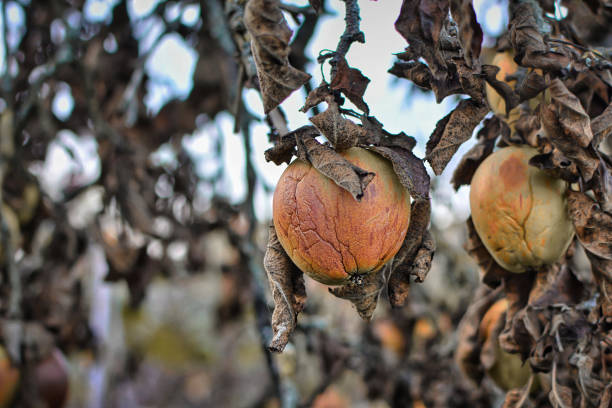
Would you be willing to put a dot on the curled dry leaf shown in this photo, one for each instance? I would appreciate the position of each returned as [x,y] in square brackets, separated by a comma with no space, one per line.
[531,85]
[270,36]
[351,82]
[341,132]
[556,165]
[363,292]
[601,126]
[593,226]
[285,148]
[511,98]
[409,169]
[471,160]
[404,265]
[329,163]
[492,273]
[470,32]
[528,42]
[415,71]
[288,291]
[568,129]
[451,131]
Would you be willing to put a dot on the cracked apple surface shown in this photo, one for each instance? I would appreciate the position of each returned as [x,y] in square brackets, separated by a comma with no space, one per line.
[519,212]
[331,236]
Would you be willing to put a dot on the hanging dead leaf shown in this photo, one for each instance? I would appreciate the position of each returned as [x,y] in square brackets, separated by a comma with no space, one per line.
[568,129]
[530,85]
[451,131]
[593,226]
[511,98]
[329,163]
[470,32]
[288,291]
[351,82]
[270,46]
[404,265]
[285,148]
[492,273]
[363,292]
[602,126]
[341,132]
[528,42]
[415,71]
[409,169]
[471,160]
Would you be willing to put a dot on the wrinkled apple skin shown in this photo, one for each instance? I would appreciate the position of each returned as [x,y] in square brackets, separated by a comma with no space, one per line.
[327,233]
[519,212]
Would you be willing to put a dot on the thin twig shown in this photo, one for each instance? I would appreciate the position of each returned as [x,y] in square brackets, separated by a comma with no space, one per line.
[352,32]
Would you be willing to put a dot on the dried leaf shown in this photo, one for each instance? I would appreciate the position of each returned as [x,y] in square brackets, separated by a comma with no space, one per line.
[602,185]
[351,82]
[270,35]
[492,273]
[321,93]
[451,131]
[606,397]
[329,163]
[561,396]
[530,85]
[568,129]
[470,32]
[528,42]
[409,169]
[471,160]
[593,226]
[602,126]
[285,148]
[341,132]
[404,265]
[511,98]
[317,5]
[415,71]
[288,291]
[363,291]
[556,165]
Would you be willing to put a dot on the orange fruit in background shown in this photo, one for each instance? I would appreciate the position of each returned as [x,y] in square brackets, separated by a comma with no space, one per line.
[9,379]
[327,233]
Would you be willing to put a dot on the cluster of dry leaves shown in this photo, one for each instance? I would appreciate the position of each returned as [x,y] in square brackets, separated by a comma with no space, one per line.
[560,323]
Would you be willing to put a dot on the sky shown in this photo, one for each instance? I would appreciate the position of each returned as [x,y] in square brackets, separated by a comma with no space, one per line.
[386,96]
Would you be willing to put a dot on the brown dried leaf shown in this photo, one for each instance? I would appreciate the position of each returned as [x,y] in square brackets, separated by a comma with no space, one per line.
[329,163]
[593,226]
[317,5]
[415,71]
[409,169]
[285,148]
[518,397]
[606,397]
[560,396]
[288,291]
[511,98]
[528,42]
[492,273]
[569,130]
[472,159]
[403,265]
[530,85]
[602,126]
[516,336]
[602,185]
[270,36]
[321,93]
[556,165]
[363,291]
[556,284]
[451,131]
[470,32]
[351,82]
[341,132]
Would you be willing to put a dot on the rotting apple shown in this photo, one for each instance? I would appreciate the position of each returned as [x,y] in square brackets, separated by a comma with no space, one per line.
[9,379]
[519,211]
[508,370]
[331,236]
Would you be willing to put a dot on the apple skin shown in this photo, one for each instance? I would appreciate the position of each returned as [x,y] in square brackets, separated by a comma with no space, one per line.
[519,212]
[331,236]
